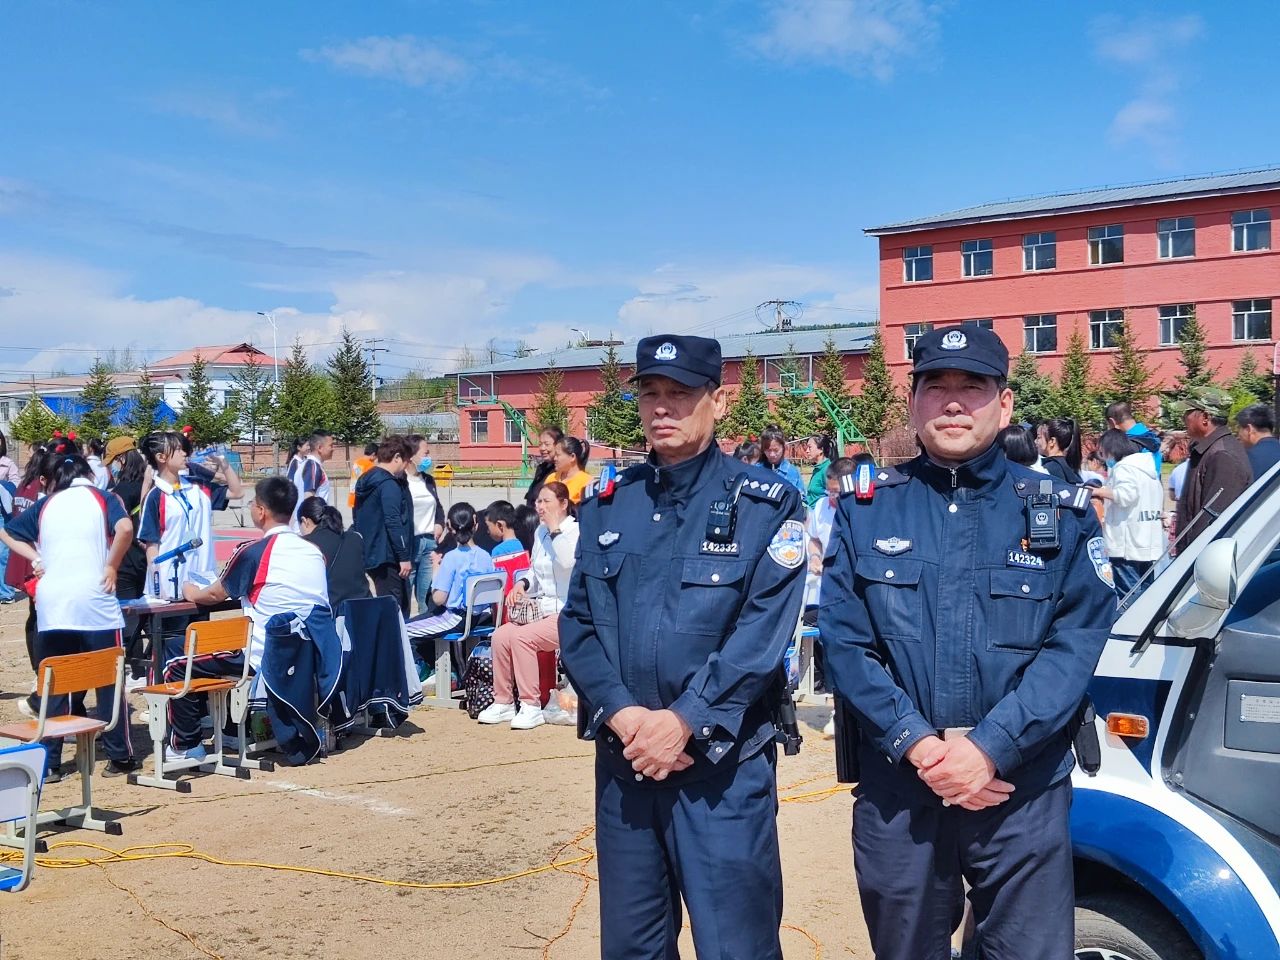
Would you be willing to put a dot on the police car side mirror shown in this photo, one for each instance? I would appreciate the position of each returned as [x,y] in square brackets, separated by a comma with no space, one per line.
[1216,575]
[1216,581]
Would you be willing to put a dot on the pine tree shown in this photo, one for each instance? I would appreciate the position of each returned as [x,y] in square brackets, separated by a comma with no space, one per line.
[1193,350]
[793,410]
[1249,379]
[102,400]
[146,404]
[1131,379]
[749,412]
[613,419]
[549,408]
[356,417]
[253,396]
[35,422]
[200,411]
[878,408]
[1075,396]
[1034,397]
[831,381]
[305,401]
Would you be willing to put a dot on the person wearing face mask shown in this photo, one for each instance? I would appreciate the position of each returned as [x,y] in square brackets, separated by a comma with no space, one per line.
[1134,502]
[428,519]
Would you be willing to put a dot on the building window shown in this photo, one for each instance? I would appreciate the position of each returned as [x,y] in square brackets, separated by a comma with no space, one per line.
[1106,244]
[1039,251]
[1251,230]
[985,323]
[1104,327]
[917,264]
[479,426]
[912,332]
[1176,237]
[1172,319]
[1040,333]
[1251,320]
[4,410]
[977,258]
[511,428]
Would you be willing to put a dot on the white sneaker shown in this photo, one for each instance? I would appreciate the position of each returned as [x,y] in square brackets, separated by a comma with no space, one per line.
[197,752]
[829,731]
[134,684]
[528,718]
[497,713]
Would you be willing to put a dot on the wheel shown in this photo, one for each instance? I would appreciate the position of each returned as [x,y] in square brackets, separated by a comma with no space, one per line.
[1111,926]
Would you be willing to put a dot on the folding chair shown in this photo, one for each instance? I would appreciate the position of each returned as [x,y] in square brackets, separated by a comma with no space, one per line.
[202,638]
[483,590]
[65,676]
[21,774]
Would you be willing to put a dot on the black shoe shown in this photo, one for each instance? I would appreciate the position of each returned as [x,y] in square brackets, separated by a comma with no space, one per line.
[53,775]
[119,768]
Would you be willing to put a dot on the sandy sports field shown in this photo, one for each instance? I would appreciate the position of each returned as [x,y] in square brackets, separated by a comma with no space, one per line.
[447,802]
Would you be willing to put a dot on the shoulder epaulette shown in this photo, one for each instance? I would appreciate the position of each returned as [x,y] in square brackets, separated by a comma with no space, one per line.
[1070,496]
[882,477]
[771,490]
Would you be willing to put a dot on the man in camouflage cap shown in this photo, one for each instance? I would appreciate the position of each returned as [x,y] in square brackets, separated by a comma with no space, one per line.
[1218,469]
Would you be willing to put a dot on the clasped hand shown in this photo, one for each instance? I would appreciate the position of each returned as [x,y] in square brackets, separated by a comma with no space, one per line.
[959,772]
[653,740]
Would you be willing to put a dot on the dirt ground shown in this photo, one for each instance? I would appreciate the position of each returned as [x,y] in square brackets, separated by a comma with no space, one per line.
[445,802]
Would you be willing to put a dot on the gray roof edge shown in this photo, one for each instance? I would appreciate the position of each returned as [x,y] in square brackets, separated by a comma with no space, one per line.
[974,214]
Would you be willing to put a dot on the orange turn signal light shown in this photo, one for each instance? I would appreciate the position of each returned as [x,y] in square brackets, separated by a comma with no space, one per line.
[1129,725]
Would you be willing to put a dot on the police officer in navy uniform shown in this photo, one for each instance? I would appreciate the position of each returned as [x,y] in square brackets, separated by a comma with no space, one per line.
[965,603]
[686,592]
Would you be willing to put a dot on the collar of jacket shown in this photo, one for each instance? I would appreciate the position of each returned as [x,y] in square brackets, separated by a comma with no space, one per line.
[680,480]
[1202,445]
[982,473]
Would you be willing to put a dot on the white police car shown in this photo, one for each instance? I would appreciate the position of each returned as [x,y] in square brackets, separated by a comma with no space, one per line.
[1177,838]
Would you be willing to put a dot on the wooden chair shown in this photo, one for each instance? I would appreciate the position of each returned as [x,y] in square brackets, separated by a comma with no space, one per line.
[202,639]
[483,590]
[65,676]
[21,774]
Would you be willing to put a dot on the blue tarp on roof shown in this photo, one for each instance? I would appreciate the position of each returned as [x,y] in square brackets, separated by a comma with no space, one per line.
[72,409]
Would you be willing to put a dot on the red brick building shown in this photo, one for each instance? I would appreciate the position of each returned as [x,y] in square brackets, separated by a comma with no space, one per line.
[488,435]
[1037,270]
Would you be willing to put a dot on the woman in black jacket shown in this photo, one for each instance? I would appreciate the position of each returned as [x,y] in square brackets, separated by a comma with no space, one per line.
[547,441]
[384,518]
[321,524]
[1059,443]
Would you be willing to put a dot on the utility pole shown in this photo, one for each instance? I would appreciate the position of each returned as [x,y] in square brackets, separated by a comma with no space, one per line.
[373,352]
[785,312]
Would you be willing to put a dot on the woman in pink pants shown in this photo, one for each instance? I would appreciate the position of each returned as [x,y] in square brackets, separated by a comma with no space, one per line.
[516,646]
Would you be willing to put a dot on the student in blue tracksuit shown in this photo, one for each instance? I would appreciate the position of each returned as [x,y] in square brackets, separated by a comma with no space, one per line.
[773,454]
[965,603]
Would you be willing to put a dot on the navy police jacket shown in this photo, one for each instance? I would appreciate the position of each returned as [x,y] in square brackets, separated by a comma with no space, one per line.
[660,616]
[936,614]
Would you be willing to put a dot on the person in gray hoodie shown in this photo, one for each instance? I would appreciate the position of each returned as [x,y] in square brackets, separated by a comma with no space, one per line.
[383,516]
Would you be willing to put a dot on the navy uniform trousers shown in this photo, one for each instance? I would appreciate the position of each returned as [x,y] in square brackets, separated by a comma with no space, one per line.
[1016,856]
[713,842]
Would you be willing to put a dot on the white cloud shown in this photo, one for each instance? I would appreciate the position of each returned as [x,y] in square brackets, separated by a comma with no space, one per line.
[218,110]
[1153,52]
[857,36]
[405,59]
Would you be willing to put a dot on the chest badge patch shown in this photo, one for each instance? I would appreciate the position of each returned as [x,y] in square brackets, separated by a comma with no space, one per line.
[787,546]
[1024,560]
[608,538]
[893,546]
[1101,562]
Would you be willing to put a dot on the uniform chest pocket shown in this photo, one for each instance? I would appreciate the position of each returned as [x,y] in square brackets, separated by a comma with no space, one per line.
[1021,604]
[891,589]
[711,591]
[601,570]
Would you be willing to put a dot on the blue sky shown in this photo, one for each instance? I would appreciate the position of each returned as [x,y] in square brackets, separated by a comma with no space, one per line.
[438,174]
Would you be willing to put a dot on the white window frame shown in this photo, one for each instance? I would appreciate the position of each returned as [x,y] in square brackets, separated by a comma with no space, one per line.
[4,410]
[1166,230]
[1032,343]
[1172,317]
[479,419]
[1245,311]
[912,256]
[971,251]
[1101,324]
[1031,250]
[1098,237]
[1244,223]
[511,431]
[911,332]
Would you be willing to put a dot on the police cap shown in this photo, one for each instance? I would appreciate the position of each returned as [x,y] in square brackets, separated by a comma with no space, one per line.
[693,361]
[974,349]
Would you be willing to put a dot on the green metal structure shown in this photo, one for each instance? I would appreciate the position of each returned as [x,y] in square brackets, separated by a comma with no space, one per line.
[847,431]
